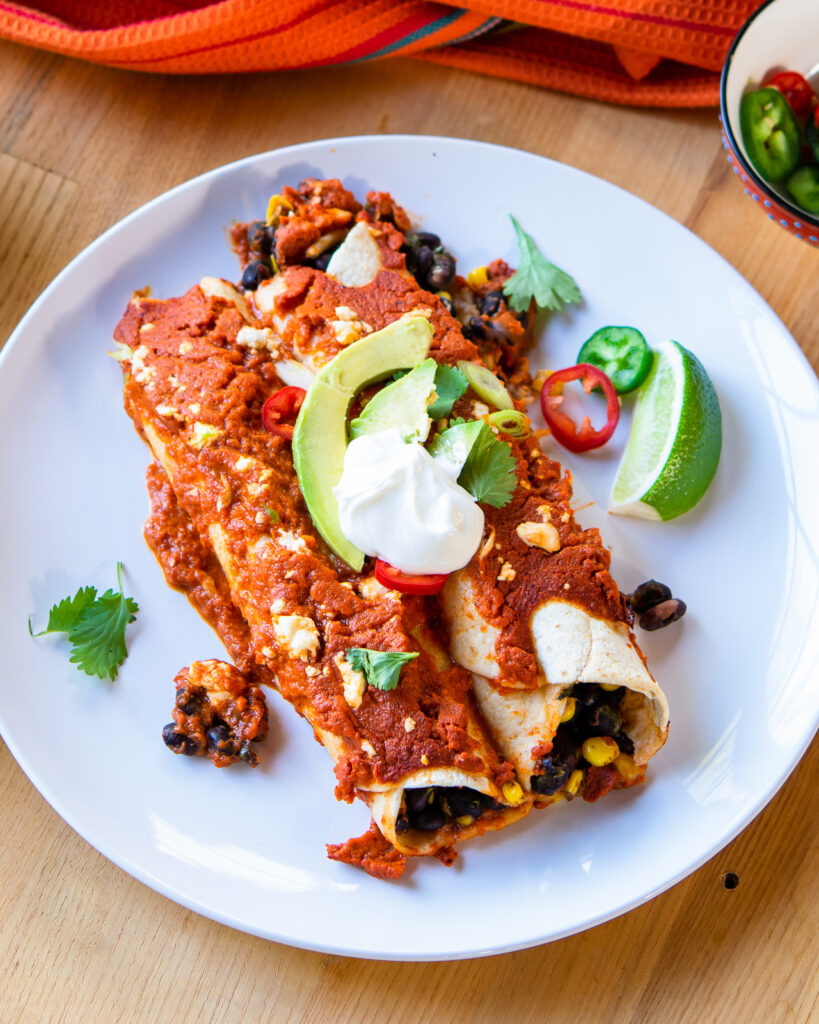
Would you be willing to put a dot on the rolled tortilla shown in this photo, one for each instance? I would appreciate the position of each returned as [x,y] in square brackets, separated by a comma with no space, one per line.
[195,392]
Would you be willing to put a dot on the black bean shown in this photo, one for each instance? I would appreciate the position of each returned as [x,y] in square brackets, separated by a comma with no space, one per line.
[173,739]
[647,594]
[611,697]
[461,800]
[255,272]
[663,614]
[556,767]
[419,262]
[189,703]
[260,237]
[179,743]
[476,329]
[246,754]
[604,720]
[219,738]
[321,262]
[429,819]
[401,824]
[624,742]
[417,799]
[447,304]
[427,238]
[491,303]
[442,272]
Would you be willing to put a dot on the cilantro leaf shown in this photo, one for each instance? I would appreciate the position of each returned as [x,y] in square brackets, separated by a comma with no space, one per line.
[381,668]
[65,615]
[536,278]
[489,471]
[450,384]
[95,628]
[272,514]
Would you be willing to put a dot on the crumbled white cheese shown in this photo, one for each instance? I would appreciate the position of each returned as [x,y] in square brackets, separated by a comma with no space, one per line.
[297,634]
[354,682]
[539,535]
[204,433]
[345,333]
[277,607]
[142,373]
[144,328]
[257,338]
[409,724]
[371,590]
[243,463]
[185,347]
[479,410]
[170,412]
[291,541]
[424,759]
[507,572]
[368,748]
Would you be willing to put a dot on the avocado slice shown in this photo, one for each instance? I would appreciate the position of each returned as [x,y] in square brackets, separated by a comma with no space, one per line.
[402,404]
[320,435]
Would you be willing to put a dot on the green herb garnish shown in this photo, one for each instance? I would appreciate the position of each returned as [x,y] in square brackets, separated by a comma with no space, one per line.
[381,668]
[95,628]
[536,278]
[450,384]
[489,471]
[272,513]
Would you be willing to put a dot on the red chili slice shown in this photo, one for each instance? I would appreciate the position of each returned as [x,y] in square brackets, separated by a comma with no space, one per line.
[796,91]
[392,578]
[563,427]
[279,412]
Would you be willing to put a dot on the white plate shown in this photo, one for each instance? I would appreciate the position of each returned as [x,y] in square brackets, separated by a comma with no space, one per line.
[247,847]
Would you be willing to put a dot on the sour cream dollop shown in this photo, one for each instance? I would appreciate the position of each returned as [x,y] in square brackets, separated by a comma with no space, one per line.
[400,504]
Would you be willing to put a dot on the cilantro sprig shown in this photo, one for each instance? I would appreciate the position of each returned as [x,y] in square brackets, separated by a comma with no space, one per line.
[95,627]
[381,669]
[450,384]
[489,471]
[536,278]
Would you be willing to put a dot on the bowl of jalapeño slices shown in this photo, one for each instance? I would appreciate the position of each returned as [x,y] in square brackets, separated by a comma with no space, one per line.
[769,100]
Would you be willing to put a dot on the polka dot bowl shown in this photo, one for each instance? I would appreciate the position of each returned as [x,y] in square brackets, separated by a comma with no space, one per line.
[780,35]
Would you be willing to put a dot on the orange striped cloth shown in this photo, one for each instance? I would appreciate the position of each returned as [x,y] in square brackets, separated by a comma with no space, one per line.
[638,52]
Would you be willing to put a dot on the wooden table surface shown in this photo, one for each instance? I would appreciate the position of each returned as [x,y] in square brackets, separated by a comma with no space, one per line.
[80,147]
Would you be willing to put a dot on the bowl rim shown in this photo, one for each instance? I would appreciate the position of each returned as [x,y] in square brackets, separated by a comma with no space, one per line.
[798,214]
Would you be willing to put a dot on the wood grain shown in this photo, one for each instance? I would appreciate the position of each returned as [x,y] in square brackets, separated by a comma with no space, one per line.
[80,147]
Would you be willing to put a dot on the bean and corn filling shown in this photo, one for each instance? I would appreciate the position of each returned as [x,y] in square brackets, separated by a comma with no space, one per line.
[433,807]
[477,301]
[590,736]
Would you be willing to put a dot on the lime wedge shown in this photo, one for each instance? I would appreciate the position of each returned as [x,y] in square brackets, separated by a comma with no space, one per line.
[676,435]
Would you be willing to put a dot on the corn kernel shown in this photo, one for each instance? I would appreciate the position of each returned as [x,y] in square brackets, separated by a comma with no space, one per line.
[465,819]
[600,750]
[610,686]
[573,784]
[569,710]
[475,278]
[276,205]
[627,768]
[512,793]
[444,295]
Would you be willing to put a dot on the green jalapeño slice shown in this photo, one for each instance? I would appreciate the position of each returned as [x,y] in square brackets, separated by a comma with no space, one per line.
[770,133]
[622,353]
